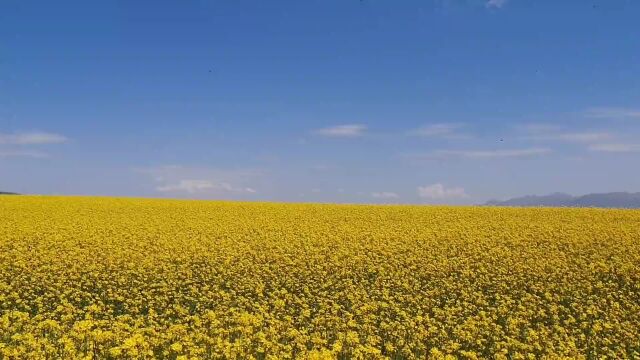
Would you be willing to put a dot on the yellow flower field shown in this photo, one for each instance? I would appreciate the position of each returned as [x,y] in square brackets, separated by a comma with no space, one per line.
[111,278]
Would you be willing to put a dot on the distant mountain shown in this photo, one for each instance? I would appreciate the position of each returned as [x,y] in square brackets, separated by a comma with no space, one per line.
[608,200]
[555,199]
[7,193]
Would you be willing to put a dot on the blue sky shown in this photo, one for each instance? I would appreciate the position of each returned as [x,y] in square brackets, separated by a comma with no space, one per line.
[332,101]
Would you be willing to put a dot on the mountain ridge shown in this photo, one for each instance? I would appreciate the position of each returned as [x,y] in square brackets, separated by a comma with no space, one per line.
[603,200]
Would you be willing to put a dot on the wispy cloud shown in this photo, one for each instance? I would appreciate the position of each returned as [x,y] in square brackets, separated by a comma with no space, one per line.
[32,138]
[550,132]
[439,192]
[444,130]
[485,154]
[495,3]
[199,186]
[615,147]
[577,137]
[613,113]
[203,181]
[348,130]
[190,186]
[23,153]
[538,128]
[384,195]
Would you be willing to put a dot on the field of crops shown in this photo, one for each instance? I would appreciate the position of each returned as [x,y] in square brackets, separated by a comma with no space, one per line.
[132,278]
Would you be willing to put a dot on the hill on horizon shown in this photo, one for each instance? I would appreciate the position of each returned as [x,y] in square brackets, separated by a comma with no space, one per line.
[602,200]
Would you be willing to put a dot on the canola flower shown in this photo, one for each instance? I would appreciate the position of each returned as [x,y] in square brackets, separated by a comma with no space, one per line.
[111,278]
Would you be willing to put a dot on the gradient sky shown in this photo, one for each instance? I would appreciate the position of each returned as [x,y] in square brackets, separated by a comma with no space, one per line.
[333,101]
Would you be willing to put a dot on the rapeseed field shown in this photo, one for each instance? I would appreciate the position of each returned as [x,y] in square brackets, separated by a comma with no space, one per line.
[112,278]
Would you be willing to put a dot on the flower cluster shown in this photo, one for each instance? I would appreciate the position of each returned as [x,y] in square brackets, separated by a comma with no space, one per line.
[109,278]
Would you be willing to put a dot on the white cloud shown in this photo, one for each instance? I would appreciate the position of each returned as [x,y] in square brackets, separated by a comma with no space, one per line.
[613,113]
[348,130]
[446,130]
[486,154]
[200,186]
[190,186]
[202,181]
[615,147]
[384,195]
[23,153]
[495,3]
[33,138]
[439,192]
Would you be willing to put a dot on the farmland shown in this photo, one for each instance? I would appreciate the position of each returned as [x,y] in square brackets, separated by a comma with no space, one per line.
[116,278]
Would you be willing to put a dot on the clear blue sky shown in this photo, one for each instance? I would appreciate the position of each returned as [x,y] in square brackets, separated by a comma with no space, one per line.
[334,101]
